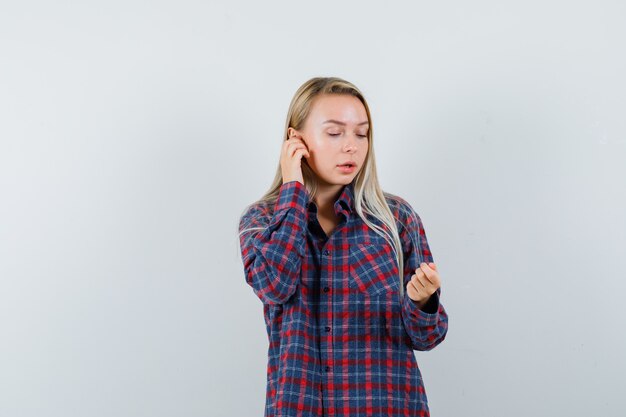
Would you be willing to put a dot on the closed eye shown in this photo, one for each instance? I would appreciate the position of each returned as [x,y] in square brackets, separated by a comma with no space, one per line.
[337,134]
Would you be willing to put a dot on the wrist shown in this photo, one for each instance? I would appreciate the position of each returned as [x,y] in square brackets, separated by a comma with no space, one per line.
[428,305]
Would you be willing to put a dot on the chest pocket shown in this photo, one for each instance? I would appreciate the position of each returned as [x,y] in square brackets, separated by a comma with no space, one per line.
[373,268]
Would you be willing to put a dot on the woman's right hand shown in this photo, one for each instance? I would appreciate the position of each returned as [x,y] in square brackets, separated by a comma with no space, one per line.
[293,150]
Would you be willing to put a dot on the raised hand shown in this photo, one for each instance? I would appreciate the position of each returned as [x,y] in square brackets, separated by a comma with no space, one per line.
[293,150]
[423,283]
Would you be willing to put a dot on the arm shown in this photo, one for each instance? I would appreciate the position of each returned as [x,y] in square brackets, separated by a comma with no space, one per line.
[272,256]
[427,326]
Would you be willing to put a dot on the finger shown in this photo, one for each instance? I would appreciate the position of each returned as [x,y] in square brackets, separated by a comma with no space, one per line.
[292,141]
[287,145]
[303,146]
[301,153]
[425,267]
[295,137]
[303,143]
[420,272]
[298,139]
[428,286]
[414,292]
[296,142]
[429,273]
[302,150]
[419,283]
[432,279]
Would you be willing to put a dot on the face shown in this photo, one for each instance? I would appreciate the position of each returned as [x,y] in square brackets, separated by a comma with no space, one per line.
[336,133]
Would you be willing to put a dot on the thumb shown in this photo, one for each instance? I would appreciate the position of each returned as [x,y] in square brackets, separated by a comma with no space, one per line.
[432,265]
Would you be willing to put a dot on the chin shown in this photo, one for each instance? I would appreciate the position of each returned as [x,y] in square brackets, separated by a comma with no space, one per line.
[336,181]
[345,180]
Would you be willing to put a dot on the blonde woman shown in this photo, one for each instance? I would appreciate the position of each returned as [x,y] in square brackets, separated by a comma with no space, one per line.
[323,250]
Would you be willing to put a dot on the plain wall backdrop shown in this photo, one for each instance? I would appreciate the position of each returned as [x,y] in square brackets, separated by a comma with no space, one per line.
[134,133]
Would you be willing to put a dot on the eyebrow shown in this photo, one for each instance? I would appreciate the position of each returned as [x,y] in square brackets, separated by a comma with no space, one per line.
[342,123]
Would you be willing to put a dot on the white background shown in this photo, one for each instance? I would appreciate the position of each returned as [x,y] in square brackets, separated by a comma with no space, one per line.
[133,134]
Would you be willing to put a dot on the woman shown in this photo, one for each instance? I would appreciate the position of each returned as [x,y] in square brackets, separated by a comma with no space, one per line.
[323,250]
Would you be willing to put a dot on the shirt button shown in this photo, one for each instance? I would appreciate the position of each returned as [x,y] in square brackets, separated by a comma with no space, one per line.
[326,289]
[327,369]
[327,329]
[326,252]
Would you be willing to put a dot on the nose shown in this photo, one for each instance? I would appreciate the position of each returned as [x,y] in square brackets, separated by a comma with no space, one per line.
[350,145]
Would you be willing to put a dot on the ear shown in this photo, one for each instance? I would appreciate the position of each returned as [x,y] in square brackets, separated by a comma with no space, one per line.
[293,132]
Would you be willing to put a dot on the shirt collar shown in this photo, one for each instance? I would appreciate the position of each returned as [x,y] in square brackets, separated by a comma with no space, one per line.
[344,204]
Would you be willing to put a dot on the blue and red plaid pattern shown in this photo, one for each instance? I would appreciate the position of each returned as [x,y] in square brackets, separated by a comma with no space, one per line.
[341,340]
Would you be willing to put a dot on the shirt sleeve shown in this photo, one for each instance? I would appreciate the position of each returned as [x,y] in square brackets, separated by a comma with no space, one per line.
[272,253]
[426,327]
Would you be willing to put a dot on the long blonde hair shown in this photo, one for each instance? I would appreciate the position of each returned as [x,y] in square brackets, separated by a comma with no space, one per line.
[369,197]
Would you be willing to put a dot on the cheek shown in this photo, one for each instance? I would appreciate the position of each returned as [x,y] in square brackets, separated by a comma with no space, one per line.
[314,143]
[363,150]
[321,148]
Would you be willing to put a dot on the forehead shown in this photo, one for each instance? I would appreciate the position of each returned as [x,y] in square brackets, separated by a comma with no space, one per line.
[340,107]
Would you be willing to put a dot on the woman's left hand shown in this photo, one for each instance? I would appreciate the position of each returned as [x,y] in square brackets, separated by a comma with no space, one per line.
[423,283]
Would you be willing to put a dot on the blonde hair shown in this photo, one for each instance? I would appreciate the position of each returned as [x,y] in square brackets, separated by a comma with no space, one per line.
[369,198]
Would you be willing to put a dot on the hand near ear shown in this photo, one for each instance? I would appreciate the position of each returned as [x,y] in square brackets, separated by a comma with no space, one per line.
[293,150]
[423,283]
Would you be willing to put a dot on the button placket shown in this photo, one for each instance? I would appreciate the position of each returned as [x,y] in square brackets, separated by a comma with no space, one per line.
[326,289]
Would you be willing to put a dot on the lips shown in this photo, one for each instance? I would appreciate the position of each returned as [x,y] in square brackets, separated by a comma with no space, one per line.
[347,167]
[348,164]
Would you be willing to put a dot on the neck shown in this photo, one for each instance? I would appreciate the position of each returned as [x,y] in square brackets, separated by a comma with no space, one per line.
[325,197]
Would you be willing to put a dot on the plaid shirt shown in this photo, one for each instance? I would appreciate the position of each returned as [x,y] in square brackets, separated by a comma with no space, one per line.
[341,340]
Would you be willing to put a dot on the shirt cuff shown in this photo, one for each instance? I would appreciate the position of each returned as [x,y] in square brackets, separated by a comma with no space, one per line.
[292,194]
[427,317]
